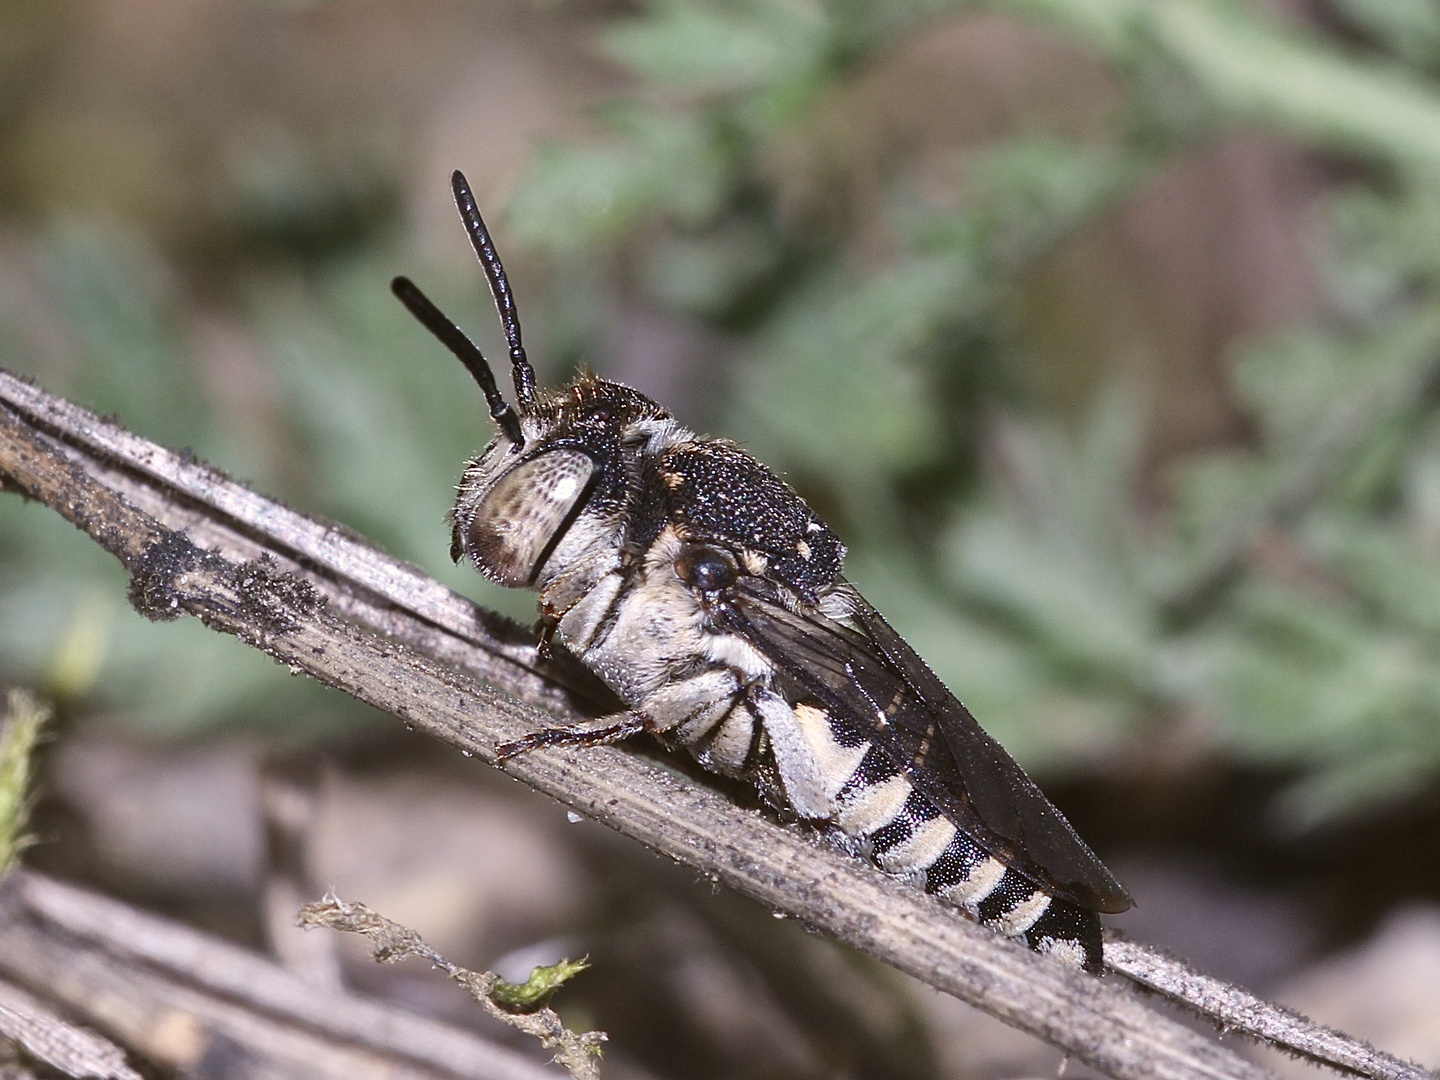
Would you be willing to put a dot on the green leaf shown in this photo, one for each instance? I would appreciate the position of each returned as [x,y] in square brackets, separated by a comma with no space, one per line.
[1026,194]
[116,297]
[836,388]
[1410,27]
[1382,566]
[1079,612]
[1255,68]
[1045,722]
[729,47]
[538,988]
[663,164]
[705,274]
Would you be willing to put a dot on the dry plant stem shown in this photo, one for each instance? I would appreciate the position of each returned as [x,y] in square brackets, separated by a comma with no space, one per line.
[191,1002]
[576,1053]
[1102,1024]
[47,1037]
[1238,1009]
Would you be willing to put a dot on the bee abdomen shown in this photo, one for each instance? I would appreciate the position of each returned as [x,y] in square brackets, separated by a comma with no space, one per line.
[905,834]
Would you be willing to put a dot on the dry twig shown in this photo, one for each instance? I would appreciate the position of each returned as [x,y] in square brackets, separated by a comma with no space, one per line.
[47,1037]
[1239,1010]
[195,1005]
[309,594]
[579,1054]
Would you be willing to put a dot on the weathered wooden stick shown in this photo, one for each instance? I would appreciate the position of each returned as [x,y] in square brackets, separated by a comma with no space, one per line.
[1236,1009]
[190,1002]
[301,591]
[49,1038]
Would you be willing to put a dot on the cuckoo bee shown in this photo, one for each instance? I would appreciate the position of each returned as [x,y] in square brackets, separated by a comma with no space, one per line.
[708,596]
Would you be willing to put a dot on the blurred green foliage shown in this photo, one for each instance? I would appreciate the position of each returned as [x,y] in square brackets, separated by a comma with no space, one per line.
[1277,608]
[1274,601]
[374,429]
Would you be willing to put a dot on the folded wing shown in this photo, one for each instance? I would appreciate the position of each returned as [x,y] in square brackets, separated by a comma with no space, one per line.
[866,675]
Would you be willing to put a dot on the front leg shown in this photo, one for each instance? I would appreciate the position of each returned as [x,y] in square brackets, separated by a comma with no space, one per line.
[609,729]
[545,629]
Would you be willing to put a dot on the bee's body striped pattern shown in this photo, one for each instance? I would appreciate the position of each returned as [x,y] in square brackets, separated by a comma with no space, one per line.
[708,596]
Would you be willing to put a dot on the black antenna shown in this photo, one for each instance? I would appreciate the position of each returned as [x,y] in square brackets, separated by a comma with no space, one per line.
[499,287]
[465,350]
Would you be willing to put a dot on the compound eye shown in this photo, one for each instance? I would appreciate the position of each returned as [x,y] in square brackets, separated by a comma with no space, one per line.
[706,569]
[515,524]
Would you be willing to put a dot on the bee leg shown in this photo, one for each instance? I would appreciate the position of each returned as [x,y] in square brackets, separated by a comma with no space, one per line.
[545,629]
[623,726]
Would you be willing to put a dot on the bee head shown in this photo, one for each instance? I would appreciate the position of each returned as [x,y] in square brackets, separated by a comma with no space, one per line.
[556,483]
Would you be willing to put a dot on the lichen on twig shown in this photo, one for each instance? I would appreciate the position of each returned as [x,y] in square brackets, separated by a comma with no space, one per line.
[521,1005]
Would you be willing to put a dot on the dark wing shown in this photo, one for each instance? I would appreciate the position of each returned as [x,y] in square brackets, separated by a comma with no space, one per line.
[871,678]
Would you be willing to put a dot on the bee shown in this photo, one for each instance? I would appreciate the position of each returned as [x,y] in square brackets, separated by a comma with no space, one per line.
[705,592]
